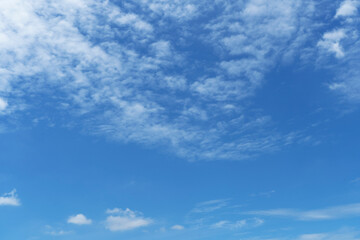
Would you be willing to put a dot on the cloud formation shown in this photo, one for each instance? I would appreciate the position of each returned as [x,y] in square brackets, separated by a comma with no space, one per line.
[331,42]
[10,199]
[79,219]
[240,224]
[347,8]
[337,212]
[135,76]
[177,227]
[125,220]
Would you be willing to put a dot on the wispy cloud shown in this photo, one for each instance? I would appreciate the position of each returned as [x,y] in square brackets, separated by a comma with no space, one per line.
[240,224]
[337,212]
[343,235]
[10,199]
[210,206]
[56,232]
[125,220]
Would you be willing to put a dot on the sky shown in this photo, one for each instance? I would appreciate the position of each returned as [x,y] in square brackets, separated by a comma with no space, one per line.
[180,119]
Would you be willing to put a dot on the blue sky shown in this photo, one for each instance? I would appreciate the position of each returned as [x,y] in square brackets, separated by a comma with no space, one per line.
[158,119]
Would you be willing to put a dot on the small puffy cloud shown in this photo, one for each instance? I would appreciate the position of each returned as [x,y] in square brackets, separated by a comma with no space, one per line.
[124,220]
[177,227]
[79,219]
[3,104]
[331,42]
[10,199]
[347,9]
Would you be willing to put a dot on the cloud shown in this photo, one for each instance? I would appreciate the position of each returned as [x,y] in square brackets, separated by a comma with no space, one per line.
[331,42]
[134,21]
[125,220]
[343,41]
[347,8]
[177,227]
[337,212]
[134,75]
[114,68]
[55,232]
[10,199]
[3,104]
[181,10]
[58,233]
[79,219]
[343,235]
[210,206]
[245,223]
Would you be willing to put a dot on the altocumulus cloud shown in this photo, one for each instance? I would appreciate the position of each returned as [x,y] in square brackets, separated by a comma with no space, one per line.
[124,220]
[79,219]
[114,67]
[119,69]
[10,199]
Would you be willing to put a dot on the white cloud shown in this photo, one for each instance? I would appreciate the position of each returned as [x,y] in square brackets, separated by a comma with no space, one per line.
[79,219]
[134,21]
[10,199]
[177,227]
[338,212]
[3,104]
[331,42]
[347,8]
[178,9]
[121,70]
[125,220]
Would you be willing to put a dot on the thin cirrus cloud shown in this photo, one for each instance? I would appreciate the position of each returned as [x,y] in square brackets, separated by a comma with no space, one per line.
[10,199]
[343,235]
[125,220]
[337,212]
[240,224]
[79,219]
[210,206]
